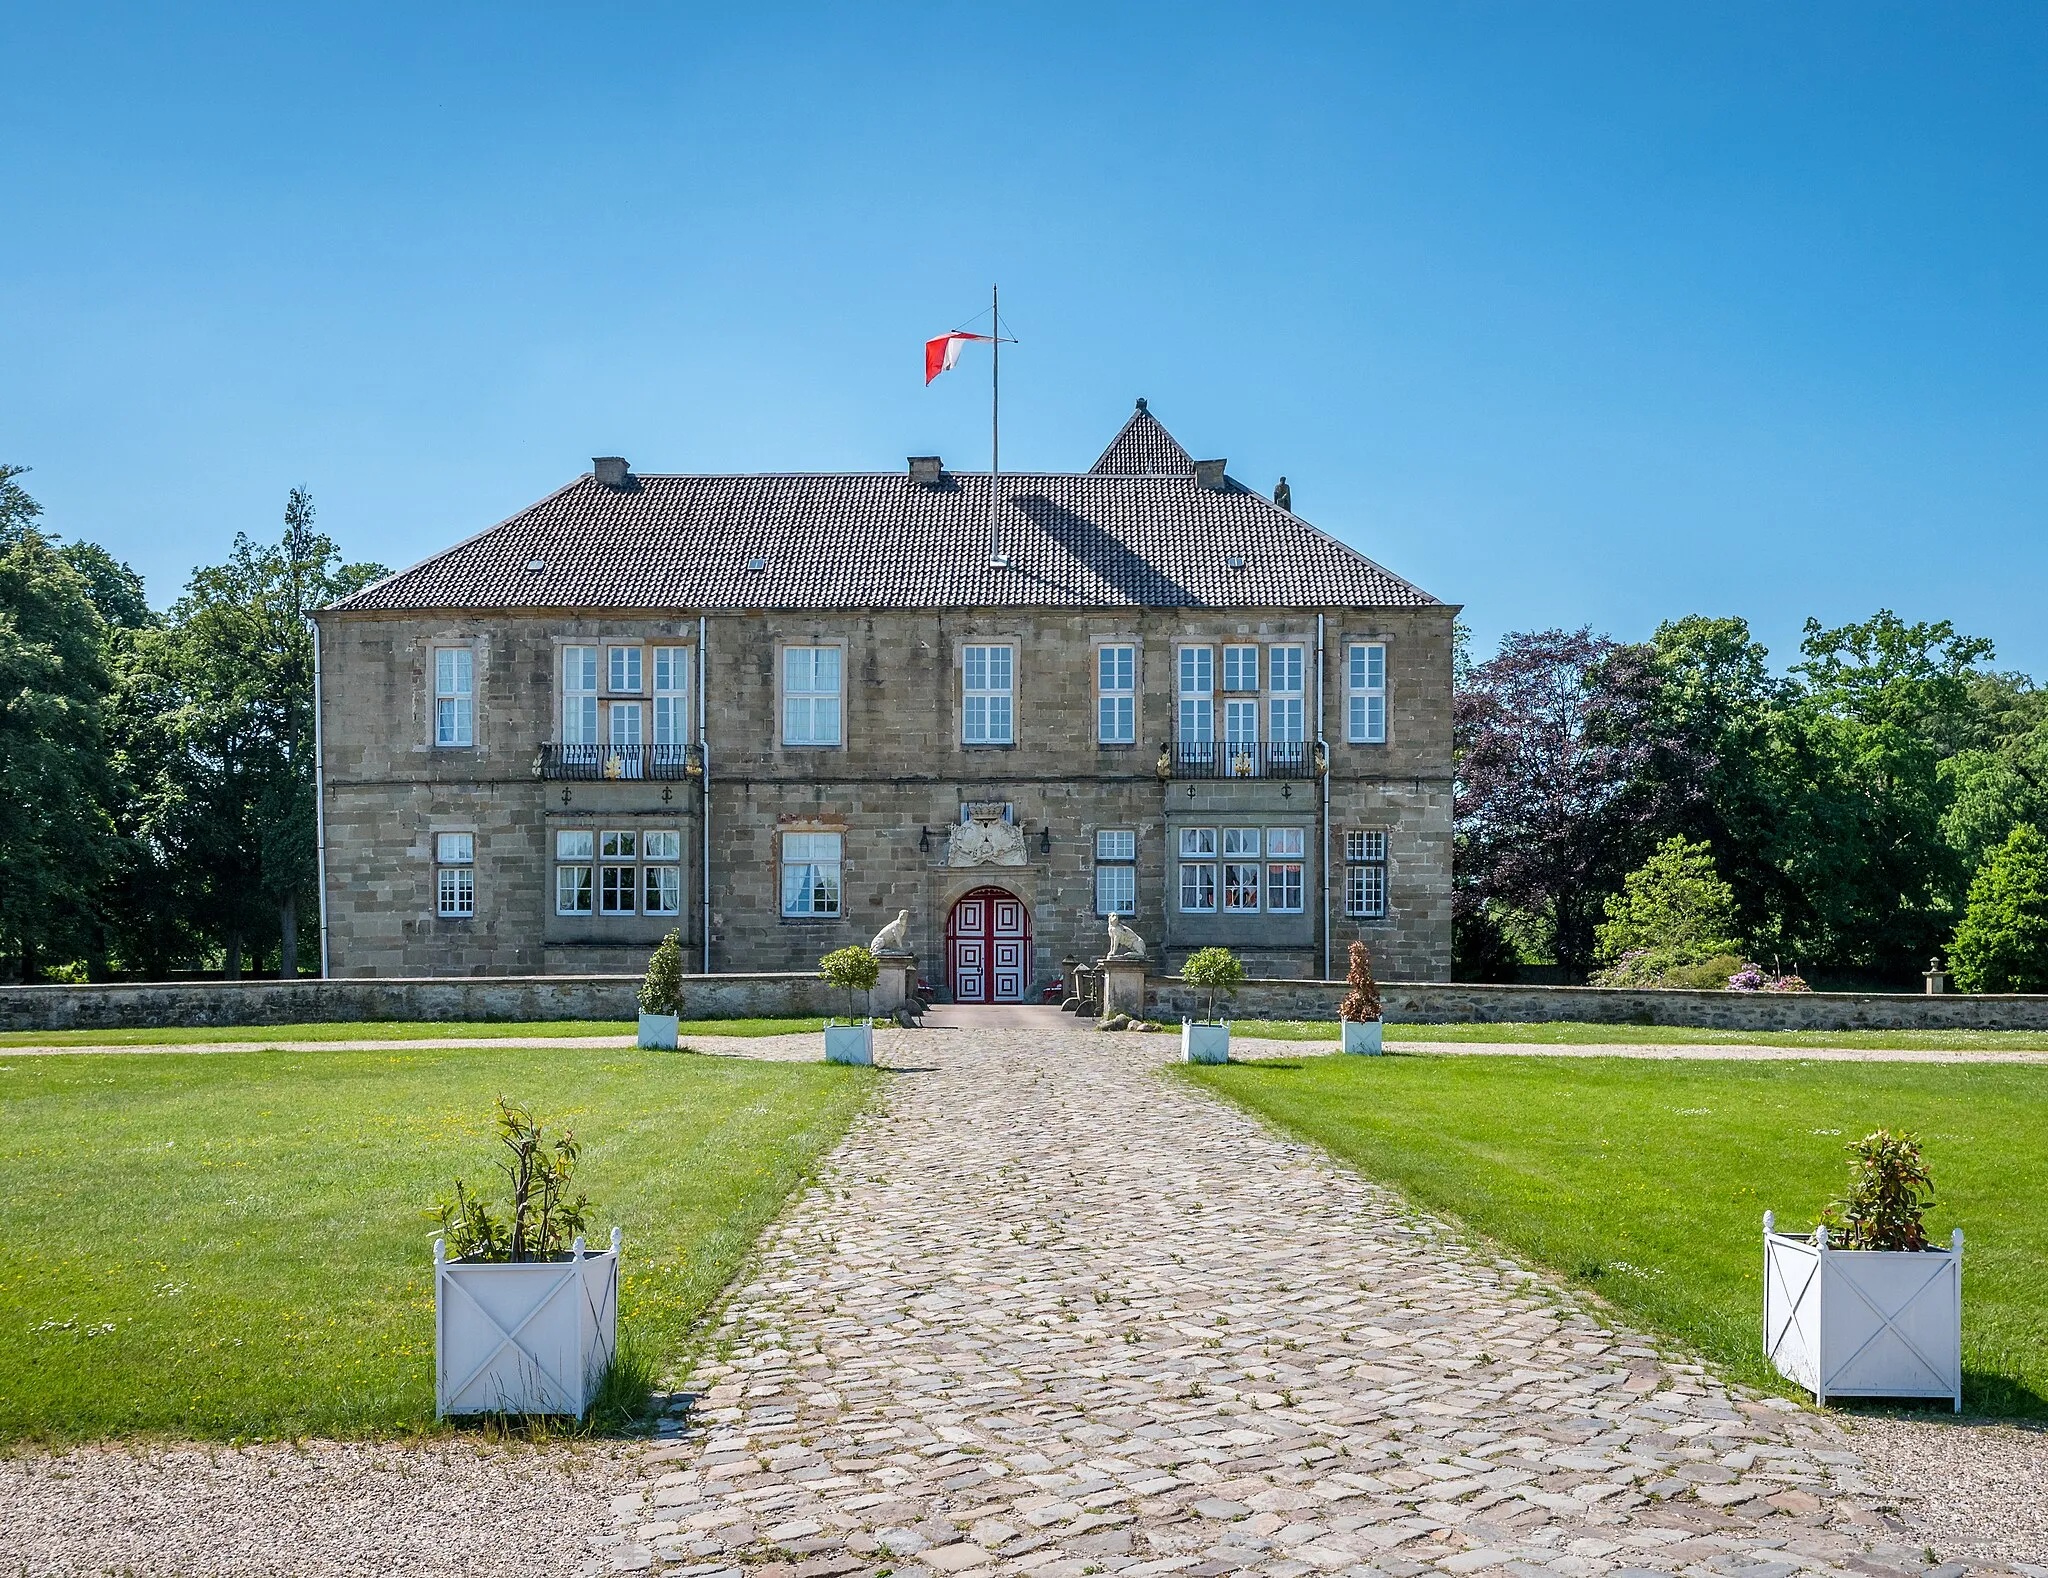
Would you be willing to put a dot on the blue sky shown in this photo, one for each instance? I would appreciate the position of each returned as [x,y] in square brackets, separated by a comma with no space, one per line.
[1570,313]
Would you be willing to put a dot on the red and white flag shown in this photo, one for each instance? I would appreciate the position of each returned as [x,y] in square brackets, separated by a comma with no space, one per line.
[940,354]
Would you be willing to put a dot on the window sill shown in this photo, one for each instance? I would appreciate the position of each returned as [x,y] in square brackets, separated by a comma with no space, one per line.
[988,745]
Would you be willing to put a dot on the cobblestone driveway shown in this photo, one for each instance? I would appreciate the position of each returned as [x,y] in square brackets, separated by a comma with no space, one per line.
[1049,1312]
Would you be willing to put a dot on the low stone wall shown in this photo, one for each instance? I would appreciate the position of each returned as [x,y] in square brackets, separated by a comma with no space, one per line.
[452,998]
[1445,1002]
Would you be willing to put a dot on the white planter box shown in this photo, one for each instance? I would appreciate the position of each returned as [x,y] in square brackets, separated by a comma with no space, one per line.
[531,1338]
[659,1031]
[1200,1043]
[1363,1036]
[850,1044]
[1864,1322]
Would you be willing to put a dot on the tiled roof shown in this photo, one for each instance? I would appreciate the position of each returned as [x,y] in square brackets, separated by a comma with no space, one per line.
[879,540]
[1142,449]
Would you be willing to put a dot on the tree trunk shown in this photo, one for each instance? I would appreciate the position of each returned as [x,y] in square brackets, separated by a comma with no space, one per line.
[233,968]
[288,933]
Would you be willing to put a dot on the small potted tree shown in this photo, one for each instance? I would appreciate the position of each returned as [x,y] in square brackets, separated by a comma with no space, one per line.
[852,970]
[1209,971]
[661,995]
[1865,1306]
[1360,1013]
[525,1319]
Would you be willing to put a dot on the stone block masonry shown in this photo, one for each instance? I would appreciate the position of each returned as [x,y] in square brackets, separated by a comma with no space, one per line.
[1453,1003]
[195,1004]
[801,994]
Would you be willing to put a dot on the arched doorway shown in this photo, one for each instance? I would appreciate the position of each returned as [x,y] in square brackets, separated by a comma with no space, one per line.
[988,947]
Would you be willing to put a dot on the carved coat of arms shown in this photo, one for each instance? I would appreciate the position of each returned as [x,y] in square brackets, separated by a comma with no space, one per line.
[985,839]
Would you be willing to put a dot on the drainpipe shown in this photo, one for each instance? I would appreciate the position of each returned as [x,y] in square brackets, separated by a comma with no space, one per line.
[704,759]
[1323,832]
[319,801]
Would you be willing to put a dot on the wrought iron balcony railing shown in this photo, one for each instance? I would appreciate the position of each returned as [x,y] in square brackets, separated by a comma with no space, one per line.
[617,761]
[1245,759]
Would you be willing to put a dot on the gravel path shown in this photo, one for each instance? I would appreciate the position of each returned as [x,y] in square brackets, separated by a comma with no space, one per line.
[1978,1489]
[1049,1314]
[797,1047]
[326,1509]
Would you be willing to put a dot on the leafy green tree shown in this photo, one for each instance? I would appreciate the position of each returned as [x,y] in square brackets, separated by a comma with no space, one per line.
[233,678]
[1674,904]
[53,783]
[2001,945]
[1990,792]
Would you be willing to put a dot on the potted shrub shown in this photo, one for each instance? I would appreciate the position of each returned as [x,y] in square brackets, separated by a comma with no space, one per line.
[851,970]
[525,1319]
[1210,971]
[1360,1013]
[661,995]
[1865,1306]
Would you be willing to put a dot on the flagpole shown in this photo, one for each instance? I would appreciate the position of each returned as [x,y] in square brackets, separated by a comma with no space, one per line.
[995,425]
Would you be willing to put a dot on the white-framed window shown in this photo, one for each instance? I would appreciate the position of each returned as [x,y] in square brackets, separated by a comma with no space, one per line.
[661,884]
[1286,714]
[1284,846]
[628,724]
[1197,694]
[455,880]
[810,874]
[1240,668]
[626,670]
[454,696]
[573,850]
[1198,870]
[579,695]
[1116,697]
[1241,721]
[1241,870]
[617,873]
[1365,873]
[1116,871]
[1367,686]
[811,684]
[988,689]
[671,701]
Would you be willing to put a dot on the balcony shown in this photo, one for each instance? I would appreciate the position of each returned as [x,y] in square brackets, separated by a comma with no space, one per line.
[617,761]
[1245,759]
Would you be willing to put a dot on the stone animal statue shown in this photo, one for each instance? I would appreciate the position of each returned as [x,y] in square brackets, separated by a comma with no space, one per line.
[1123,942]
[894,937]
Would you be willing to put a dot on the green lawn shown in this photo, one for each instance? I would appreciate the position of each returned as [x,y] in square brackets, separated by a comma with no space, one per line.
[1575,1033]
[232,1244]
[393,1030]
[1647,1181]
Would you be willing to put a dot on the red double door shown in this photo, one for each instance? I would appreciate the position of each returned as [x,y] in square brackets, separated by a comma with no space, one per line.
[988,947]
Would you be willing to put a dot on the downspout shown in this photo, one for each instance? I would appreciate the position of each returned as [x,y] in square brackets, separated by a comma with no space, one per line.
[319,800]
[1323,831]
[704,759]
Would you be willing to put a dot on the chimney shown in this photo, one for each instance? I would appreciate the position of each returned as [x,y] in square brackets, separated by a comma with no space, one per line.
[1209,474]
[611,470]
[926,470]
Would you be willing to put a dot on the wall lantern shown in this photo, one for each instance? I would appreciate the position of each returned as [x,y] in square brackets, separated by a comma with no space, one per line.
[924,841]
[1045,839]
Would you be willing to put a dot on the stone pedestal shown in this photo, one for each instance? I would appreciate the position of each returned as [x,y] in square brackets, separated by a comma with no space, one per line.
[895,982]
[1123,987]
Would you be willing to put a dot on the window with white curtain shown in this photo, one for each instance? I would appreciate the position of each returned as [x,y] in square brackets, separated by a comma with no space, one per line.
[810,874]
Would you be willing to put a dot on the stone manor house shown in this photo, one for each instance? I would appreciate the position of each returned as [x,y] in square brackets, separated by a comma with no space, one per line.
[774,711]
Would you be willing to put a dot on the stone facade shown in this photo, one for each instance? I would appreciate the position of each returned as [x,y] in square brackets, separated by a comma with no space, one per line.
[893,790]
[920,691]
